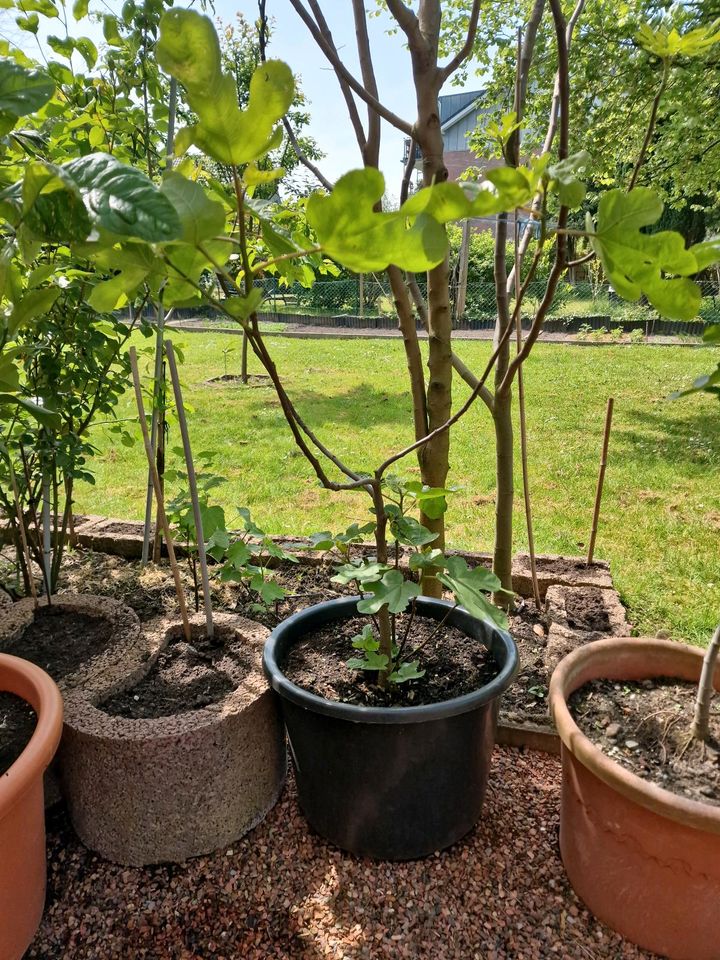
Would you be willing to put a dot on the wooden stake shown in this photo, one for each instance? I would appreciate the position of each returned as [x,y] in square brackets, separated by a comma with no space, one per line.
[162,518]
[601,478]
[23,534]
[192,483]
[524,440]
[521,381]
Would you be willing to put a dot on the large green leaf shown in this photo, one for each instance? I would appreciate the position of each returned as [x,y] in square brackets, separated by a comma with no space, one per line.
[393,591]
[471,587]
[352,232]
[706,253]
[33,304]
[123,200]
[49,418]
[53,205]
[188,49]
[639,263]
[200,217]
[22,91]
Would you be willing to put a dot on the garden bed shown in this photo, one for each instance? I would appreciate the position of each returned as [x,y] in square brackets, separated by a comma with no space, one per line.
[523,717]
[280,892]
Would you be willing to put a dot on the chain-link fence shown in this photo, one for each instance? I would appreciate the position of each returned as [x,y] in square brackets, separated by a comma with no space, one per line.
[578,307]
[581,307]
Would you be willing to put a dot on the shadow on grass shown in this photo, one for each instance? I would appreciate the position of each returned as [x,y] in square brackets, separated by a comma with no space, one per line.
[360,406]
[690,443]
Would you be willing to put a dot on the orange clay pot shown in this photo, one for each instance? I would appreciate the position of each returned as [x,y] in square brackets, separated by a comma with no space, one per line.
[22,810]
[644,860]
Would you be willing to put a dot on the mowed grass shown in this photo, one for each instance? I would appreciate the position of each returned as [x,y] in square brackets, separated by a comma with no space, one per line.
[660,522]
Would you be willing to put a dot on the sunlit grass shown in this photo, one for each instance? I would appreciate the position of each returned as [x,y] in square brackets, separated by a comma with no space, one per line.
[660,524]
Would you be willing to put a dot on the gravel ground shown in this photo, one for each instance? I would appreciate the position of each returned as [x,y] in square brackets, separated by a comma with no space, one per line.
[281,892]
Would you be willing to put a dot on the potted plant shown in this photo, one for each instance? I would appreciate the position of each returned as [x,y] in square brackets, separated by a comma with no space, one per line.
[640,810]
[22,809]
[188,754]
[390,700]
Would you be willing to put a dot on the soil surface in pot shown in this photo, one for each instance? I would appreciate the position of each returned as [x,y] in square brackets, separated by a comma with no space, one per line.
[60,640]
[454,664]
[186,677]
[587,611]
[17,724]
[645,727]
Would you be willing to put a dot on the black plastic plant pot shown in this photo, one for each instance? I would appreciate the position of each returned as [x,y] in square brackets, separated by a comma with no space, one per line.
[393,783]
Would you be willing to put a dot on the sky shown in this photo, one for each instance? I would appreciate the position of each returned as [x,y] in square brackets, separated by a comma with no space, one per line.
[292,42]
[330,126]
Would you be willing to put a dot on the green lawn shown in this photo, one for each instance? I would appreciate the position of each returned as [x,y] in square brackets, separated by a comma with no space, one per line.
[660,524]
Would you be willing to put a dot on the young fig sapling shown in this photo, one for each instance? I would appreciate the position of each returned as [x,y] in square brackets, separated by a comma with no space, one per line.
[385,586]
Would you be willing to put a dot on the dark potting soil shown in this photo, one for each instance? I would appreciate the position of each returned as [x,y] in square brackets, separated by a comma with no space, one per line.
[17,724]
[186,677]
[525,700]
[454,664]
[122,529]
[645,727]
[586,611]
[61,641]
[563,565]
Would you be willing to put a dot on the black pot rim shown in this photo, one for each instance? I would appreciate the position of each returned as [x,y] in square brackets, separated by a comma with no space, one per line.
[345,607]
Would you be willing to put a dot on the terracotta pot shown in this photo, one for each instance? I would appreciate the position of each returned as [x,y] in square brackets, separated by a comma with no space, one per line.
[644,860]
[22,811]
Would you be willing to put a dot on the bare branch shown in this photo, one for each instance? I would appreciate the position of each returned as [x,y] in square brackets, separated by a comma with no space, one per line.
[406,19]
[550,133]
[371,152]
[342,72]
[303,158]
[324,32]
[466,49]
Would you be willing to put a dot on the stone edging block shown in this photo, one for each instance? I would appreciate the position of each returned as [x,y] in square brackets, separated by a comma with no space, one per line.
[555,569]
[565,636]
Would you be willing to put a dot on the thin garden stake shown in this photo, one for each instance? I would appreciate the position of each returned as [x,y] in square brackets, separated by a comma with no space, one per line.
[521,381]
[162,319]
[158,493]
[192,483]
[601,478]
[47,547]
[523,438]
[23,533]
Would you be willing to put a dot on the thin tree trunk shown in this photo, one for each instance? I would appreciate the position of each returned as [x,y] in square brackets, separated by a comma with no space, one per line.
[502,421]
[701,721]
[505,493]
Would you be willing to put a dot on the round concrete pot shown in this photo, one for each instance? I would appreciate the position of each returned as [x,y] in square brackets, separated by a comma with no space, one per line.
[122,658]
[154,790]
[22,812]
[121,662]
[644,860]
[393,783]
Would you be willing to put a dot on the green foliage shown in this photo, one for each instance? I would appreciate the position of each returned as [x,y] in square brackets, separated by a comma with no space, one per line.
[22,91]
[636,263]
[351,231]
[189,50]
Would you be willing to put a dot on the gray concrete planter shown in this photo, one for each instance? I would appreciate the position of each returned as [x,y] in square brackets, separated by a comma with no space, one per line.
[143,791]
[124,657]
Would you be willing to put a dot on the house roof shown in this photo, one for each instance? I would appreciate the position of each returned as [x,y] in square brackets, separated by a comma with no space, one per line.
[454,106]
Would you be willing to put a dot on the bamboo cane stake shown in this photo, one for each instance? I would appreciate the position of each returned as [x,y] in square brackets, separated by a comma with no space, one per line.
[601,478]
[524,438]
[192,483]
[521,381]
[158,493]
[23,534]
[162,319]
